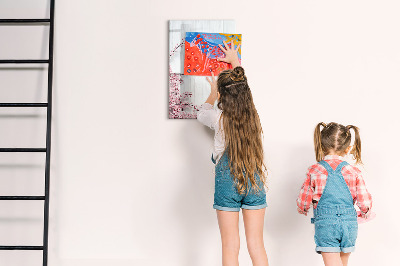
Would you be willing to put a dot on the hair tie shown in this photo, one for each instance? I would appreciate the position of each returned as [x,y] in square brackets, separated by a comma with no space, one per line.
[233,78]
[234,84]
[348,130]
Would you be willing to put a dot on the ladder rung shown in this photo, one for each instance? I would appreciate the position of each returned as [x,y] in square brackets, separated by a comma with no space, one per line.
[22,149]
[34,20]
[21,247]
[22,197]
[23,104]
[24,61]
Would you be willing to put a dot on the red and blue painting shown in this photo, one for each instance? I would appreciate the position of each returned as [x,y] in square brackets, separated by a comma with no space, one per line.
[202,51]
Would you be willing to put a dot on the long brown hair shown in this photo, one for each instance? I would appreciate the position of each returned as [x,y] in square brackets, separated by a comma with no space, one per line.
[242,129]
[336,137]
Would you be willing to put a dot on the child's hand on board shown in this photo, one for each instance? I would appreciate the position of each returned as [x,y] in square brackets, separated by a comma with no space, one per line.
[231,54]
[214,89]
[213,83]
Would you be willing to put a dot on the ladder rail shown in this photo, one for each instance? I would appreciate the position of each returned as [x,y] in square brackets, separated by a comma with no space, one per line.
[48,136]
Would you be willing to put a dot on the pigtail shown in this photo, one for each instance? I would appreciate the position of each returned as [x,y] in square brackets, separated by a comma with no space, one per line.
[356,151]
[319,153]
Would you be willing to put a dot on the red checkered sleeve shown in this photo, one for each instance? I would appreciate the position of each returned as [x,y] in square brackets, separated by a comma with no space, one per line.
[364,198]
[305,197]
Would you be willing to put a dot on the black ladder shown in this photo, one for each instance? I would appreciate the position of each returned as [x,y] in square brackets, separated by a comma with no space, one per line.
[47,105]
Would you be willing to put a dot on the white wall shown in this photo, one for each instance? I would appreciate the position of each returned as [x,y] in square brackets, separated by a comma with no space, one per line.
[131,187]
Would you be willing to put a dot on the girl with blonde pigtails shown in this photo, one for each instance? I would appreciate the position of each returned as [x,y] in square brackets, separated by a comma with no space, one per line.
[332,187]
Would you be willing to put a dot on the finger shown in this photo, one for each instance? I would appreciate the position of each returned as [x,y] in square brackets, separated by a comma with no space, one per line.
[222,48]
[226,45]
[232,45]
[237,48]
[209,81]
[213,76]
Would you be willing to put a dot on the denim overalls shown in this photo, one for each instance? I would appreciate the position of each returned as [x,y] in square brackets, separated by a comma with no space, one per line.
[226,195]
[335,217]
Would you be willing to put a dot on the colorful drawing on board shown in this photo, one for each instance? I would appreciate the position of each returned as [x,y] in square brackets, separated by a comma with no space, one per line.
[202,51]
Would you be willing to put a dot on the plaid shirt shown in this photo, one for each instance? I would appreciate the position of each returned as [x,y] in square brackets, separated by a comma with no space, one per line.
[314,185]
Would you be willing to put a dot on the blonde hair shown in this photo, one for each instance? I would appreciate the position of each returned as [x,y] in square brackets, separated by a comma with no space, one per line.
[242,129]
[336,137]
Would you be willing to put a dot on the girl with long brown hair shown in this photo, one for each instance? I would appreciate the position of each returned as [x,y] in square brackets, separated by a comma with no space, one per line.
[333,186]
[240,172]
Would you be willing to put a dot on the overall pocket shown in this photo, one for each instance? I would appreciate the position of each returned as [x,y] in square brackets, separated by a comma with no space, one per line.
[326,231]
[352,228]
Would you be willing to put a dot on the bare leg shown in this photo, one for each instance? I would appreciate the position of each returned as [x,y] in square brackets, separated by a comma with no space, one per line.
[332,259]
[254,227]
[345,258]
[229,228]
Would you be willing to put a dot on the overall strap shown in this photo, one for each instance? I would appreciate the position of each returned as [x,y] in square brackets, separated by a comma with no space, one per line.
[326,166]
[340,166]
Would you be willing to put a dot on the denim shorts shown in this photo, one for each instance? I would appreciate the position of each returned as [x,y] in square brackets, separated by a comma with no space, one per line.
[335,232]
[226,195]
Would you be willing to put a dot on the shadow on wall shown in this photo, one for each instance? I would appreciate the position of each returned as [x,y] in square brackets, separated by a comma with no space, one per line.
[193,204]
[283,223]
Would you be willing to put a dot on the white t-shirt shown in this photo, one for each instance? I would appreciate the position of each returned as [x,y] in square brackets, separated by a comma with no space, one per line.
[209,116]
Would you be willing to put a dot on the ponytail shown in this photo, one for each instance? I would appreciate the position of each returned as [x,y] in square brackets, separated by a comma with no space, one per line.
[319,153]
[356,151]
